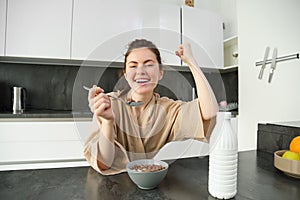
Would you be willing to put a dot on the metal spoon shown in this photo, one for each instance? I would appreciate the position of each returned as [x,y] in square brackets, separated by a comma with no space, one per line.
[129,103]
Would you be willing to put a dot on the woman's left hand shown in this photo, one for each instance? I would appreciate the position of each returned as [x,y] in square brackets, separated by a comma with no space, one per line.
[184,52]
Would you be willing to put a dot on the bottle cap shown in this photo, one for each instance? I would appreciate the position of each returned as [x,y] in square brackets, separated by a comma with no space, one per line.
[227,115]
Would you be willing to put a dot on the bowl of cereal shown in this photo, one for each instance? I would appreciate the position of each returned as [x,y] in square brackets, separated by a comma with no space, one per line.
[147,173]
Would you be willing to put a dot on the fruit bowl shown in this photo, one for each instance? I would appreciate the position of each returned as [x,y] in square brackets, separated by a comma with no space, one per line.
[287,166]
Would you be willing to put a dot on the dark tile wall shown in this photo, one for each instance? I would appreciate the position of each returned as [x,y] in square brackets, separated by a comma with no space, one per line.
[59,87]
[47,86]
[272,137]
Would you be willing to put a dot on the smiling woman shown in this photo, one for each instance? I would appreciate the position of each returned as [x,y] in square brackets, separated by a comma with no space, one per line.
[124,133]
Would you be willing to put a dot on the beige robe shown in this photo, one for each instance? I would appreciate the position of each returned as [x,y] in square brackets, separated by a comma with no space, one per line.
[163,120]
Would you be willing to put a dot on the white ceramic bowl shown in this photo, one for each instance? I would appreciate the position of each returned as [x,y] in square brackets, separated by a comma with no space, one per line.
[147,180]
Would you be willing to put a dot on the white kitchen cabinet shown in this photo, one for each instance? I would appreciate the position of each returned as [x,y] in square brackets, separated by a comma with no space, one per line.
[98,27]
[164,20]
[53,144]
[2,25]
[39,28]
[227,10]
[203,29]
[42,144]
[102,29]
[229,15]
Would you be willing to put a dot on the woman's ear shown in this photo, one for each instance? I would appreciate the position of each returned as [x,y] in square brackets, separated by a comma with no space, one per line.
[161,74]
[125,75]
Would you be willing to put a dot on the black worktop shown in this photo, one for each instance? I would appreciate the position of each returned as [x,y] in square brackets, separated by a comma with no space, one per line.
[186,179]
[28,114]
[42,113]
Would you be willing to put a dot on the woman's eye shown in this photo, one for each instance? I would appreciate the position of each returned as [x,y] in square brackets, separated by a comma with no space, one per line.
[149,65]
[132,66]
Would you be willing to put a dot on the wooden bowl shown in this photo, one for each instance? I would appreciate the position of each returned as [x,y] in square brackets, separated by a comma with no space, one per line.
[289,167]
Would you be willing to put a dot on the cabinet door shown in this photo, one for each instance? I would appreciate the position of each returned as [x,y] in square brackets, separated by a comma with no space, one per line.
[2,25]
[42,144]
[39,28]
[161,24]
[203,29]
[103,29]
[226,9]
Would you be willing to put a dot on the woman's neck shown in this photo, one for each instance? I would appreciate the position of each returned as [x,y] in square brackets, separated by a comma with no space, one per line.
[145,98]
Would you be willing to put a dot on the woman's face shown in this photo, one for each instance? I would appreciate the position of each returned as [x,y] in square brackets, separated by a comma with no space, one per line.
[142,71]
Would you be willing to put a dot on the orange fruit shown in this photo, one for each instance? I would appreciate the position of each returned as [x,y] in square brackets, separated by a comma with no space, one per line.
[295,144]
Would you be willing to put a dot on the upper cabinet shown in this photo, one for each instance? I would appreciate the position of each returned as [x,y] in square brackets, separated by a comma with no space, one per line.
[98,28]
[227,10]
[39,28]
[2,25]
[229,15]
[203,30]
[102,30]
[164,21]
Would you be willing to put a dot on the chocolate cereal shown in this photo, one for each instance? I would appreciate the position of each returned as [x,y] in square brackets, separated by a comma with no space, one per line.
[147,168]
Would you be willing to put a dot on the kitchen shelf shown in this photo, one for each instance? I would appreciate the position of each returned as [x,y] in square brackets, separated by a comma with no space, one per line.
[231,66]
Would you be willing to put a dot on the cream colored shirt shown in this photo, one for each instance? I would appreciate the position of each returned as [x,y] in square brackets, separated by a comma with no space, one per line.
[163,120]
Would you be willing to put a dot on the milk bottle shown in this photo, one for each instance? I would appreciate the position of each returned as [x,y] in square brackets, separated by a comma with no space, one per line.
[223,161]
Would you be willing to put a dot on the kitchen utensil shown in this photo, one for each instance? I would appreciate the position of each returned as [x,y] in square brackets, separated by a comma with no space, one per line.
[129,103]
[18,99]
[263,66]
[273,64]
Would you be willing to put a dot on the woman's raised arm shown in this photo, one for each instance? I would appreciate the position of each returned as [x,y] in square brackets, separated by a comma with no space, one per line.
[206,98]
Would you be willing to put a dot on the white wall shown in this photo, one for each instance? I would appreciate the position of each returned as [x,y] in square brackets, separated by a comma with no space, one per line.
[262,23]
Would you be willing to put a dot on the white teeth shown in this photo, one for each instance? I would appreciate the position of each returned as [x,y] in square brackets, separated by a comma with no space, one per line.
[141,80]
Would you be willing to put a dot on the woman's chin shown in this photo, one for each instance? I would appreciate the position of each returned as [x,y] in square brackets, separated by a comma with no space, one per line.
[143,91]
[144,88]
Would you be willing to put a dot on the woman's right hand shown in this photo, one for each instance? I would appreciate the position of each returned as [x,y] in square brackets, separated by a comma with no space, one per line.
[100,103]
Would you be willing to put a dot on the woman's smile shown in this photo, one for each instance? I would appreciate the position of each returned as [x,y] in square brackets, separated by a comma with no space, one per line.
[142,80]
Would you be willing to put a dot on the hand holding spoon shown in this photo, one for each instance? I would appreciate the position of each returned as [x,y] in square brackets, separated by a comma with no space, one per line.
[128,103]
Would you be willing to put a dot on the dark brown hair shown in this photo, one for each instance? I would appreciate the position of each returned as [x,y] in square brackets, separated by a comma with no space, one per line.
[142,43]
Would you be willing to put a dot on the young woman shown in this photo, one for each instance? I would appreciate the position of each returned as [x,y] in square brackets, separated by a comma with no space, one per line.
[124,133]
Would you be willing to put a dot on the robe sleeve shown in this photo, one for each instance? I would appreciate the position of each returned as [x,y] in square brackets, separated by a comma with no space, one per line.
[91,152]
[189,124]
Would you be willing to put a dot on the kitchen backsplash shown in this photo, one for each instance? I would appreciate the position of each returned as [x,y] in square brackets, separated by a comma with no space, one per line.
[58,87]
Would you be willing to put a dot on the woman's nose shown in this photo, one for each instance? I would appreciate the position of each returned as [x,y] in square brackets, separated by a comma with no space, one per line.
[140,69]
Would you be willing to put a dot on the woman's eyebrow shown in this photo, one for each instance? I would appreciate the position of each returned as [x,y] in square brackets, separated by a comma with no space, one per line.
[149,60]
[133,62]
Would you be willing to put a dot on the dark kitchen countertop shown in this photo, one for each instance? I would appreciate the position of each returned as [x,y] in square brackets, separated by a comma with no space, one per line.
[51,114]
[186,179]
[45,114]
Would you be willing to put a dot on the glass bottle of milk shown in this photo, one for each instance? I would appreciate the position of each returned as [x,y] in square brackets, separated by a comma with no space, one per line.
[223,160]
